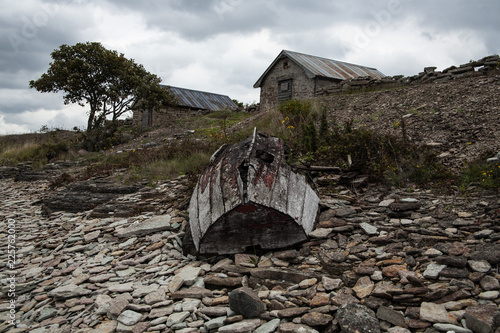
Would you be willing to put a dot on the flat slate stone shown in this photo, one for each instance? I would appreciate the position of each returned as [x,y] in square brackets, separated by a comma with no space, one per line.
[69,291]
[150,226]
[129,317]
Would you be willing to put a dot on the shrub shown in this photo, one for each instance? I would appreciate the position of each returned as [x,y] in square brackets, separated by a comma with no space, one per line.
[482,174]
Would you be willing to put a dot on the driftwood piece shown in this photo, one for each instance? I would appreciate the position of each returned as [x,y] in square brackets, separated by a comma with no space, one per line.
[318,168]
[249,196]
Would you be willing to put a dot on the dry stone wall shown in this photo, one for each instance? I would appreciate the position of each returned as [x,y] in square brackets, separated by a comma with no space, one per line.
[471,69]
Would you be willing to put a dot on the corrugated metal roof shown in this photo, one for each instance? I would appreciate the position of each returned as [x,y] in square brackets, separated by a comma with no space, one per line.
[203,100]
[323,67]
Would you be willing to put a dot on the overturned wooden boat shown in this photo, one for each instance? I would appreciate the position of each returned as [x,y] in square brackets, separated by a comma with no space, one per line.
[248,196]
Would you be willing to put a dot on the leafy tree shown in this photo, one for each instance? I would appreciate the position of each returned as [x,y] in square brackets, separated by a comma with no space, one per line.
[108,82]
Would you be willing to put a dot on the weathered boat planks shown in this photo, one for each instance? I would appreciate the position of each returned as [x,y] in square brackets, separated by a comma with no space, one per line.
[249,196]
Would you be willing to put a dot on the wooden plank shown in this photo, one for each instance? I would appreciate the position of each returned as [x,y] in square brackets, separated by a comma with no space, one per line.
[193,217]
[257,190]
[216,195]
[295,202]
[204,209]
[279,195]
[230,186]
[310,210]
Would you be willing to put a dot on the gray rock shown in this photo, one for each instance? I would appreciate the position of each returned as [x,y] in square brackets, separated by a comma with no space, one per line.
[398,329]
[357,318]
[46,313]
[454,272]
[331,284]
[91,236]
[215,323]
[316,319]
[127,243]
[488,252]
[121,287]
[320,232]
[394,317]
[68,291]
[129,317]
[102,303]
[268,327]
[240,327]
[116,306]
[176,318]
[386,203]
[155,296]
[142,290]
[34,271]
[451,328]
[295,328]
[153,225]
[482,318]
[345,212]
[214,311]
[489,295]
[189,274]
[192,292]
[453,261]
[369,229]
[245,302]
[489,283]
[432,271]
[436,313]
[481,266]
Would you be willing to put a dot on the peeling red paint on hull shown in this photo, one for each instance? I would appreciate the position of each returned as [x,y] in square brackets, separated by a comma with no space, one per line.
[248,196]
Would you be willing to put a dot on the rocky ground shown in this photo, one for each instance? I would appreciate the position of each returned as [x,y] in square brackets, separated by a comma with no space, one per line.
[458,119]
[380,259]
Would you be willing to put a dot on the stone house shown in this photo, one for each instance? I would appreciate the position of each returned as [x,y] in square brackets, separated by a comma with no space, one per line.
[189,102]
[297,75]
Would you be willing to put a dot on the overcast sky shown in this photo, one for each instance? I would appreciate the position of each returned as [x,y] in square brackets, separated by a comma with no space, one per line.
[223,46]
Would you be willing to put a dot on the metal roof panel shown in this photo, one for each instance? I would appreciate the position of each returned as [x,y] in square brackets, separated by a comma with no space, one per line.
[323,67]
[201,99]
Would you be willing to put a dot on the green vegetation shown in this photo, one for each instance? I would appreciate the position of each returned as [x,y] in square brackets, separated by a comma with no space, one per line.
[176,157]
[383,158]
[481,174]
[36,148]
[187,157]
[312,137]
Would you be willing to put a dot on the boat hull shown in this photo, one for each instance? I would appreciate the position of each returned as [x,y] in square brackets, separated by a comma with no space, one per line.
[248,196]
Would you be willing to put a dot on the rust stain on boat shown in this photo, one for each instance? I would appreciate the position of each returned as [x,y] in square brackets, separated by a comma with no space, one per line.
[249,196]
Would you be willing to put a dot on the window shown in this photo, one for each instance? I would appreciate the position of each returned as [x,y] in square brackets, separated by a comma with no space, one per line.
[284,90]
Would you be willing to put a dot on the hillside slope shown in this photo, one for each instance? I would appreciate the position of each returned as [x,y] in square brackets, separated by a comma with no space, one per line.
[459,118]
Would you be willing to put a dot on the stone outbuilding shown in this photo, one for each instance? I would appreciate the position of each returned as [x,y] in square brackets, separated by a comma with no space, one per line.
[189,102]
[297,75]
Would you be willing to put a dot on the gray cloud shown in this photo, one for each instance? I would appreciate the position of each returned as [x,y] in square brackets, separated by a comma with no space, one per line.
[225,45]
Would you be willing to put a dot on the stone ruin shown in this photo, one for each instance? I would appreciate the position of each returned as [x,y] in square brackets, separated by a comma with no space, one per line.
[473,68]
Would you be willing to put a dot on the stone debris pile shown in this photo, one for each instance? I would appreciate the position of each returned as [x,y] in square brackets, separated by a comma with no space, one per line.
[384,260]
[473,68]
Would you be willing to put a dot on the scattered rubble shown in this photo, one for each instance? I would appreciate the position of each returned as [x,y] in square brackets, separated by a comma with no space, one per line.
[458,120]
[471,69]
[382,260]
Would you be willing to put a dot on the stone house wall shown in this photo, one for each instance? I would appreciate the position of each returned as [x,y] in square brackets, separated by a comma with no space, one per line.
[304,87]
[284,70]
[165,115]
